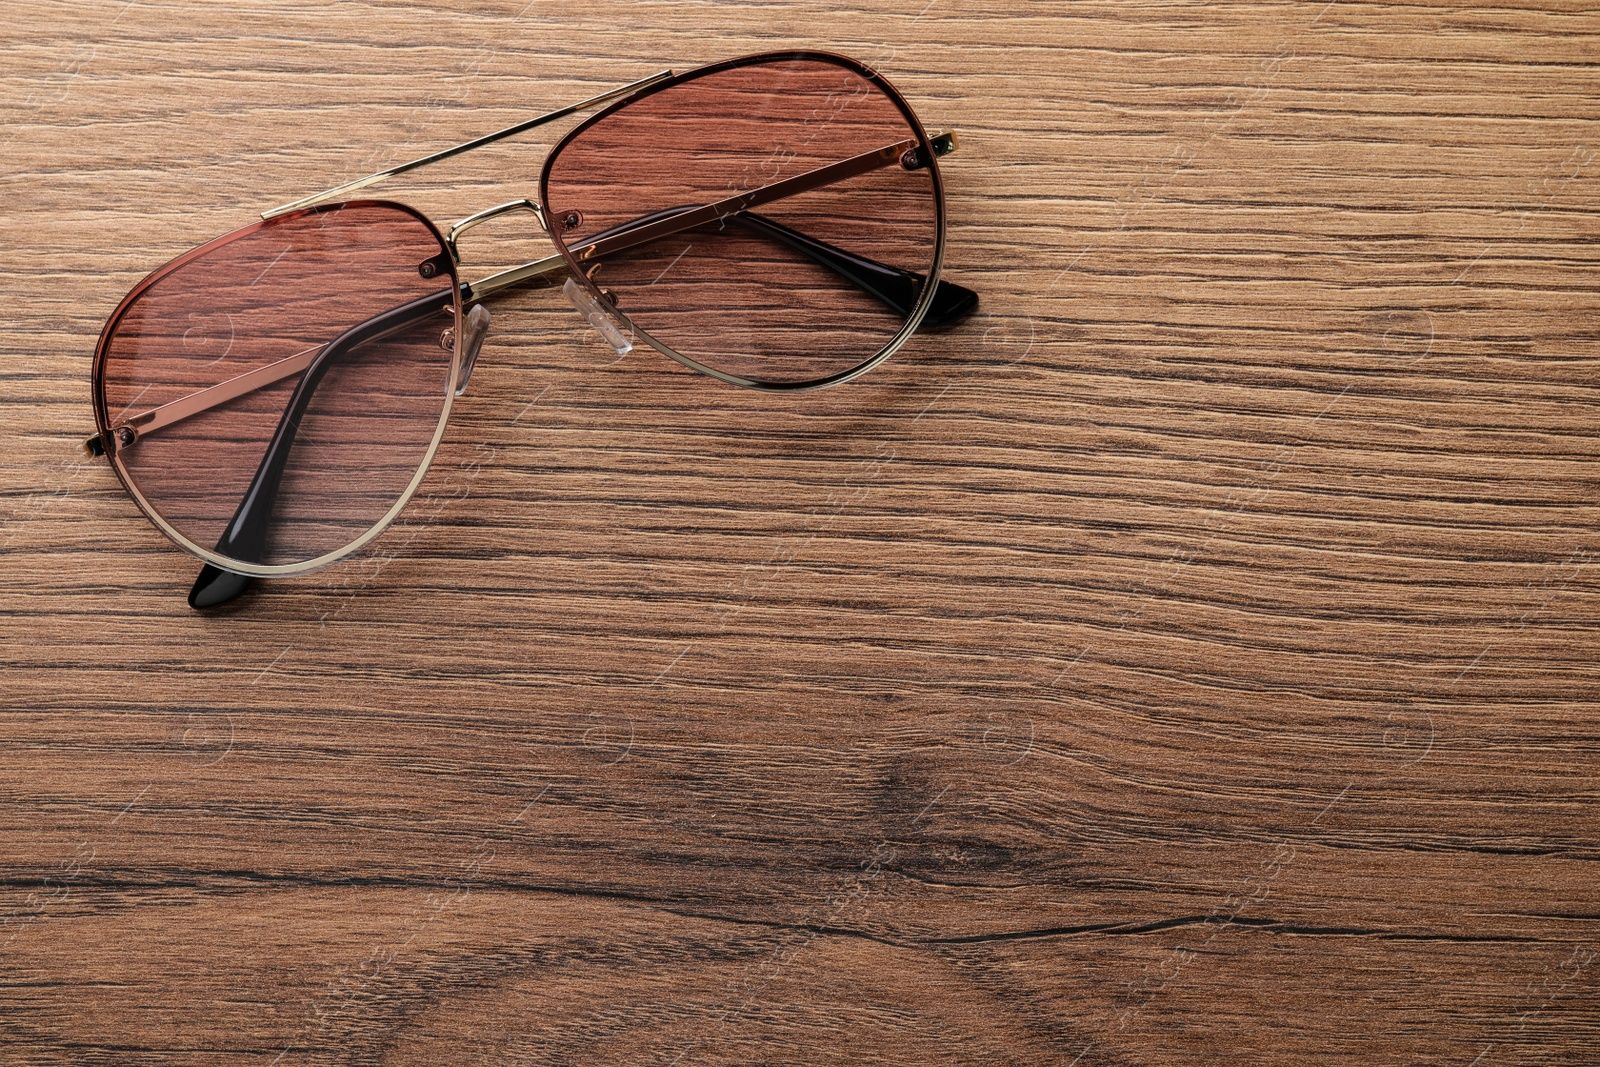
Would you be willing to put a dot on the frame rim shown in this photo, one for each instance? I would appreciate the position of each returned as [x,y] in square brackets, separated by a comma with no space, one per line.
[103,428]
[924,144]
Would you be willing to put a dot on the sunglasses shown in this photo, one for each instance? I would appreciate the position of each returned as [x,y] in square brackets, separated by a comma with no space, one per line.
[272,399]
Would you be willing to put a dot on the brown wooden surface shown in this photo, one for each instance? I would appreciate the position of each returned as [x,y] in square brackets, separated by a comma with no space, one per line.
[1189,660]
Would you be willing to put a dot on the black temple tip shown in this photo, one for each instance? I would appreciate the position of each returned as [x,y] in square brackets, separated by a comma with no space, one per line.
[215,587]
[951,304]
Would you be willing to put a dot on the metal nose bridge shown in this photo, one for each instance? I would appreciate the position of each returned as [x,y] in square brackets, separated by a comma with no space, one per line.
[488,213]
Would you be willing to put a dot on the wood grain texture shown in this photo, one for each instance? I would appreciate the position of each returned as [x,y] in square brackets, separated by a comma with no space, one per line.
[1191,659]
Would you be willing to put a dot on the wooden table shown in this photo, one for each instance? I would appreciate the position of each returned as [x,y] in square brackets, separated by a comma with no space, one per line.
[1190,659]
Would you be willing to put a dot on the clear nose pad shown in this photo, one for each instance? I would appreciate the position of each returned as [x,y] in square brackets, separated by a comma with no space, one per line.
[598,316]
[473,329]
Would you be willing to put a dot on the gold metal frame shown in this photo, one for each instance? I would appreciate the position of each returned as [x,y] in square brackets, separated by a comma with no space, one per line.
[913,153]
[485,215]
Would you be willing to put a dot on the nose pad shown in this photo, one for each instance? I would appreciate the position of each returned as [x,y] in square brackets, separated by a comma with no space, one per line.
[598,316]
[473,330]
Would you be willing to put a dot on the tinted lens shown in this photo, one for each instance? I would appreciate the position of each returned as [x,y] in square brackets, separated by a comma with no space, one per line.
[822,269]
[343,320]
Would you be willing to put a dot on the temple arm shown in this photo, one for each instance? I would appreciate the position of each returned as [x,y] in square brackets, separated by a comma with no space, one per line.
[638,233]
[246,534]
[146,422]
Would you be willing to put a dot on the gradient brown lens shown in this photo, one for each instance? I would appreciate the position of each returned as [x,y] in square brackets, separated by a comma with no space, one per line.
[310,463]
[795,289]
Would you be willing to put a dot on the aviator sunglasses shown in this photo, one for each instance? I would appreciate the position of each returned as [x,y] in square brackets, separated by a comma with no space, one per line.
[272,399]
